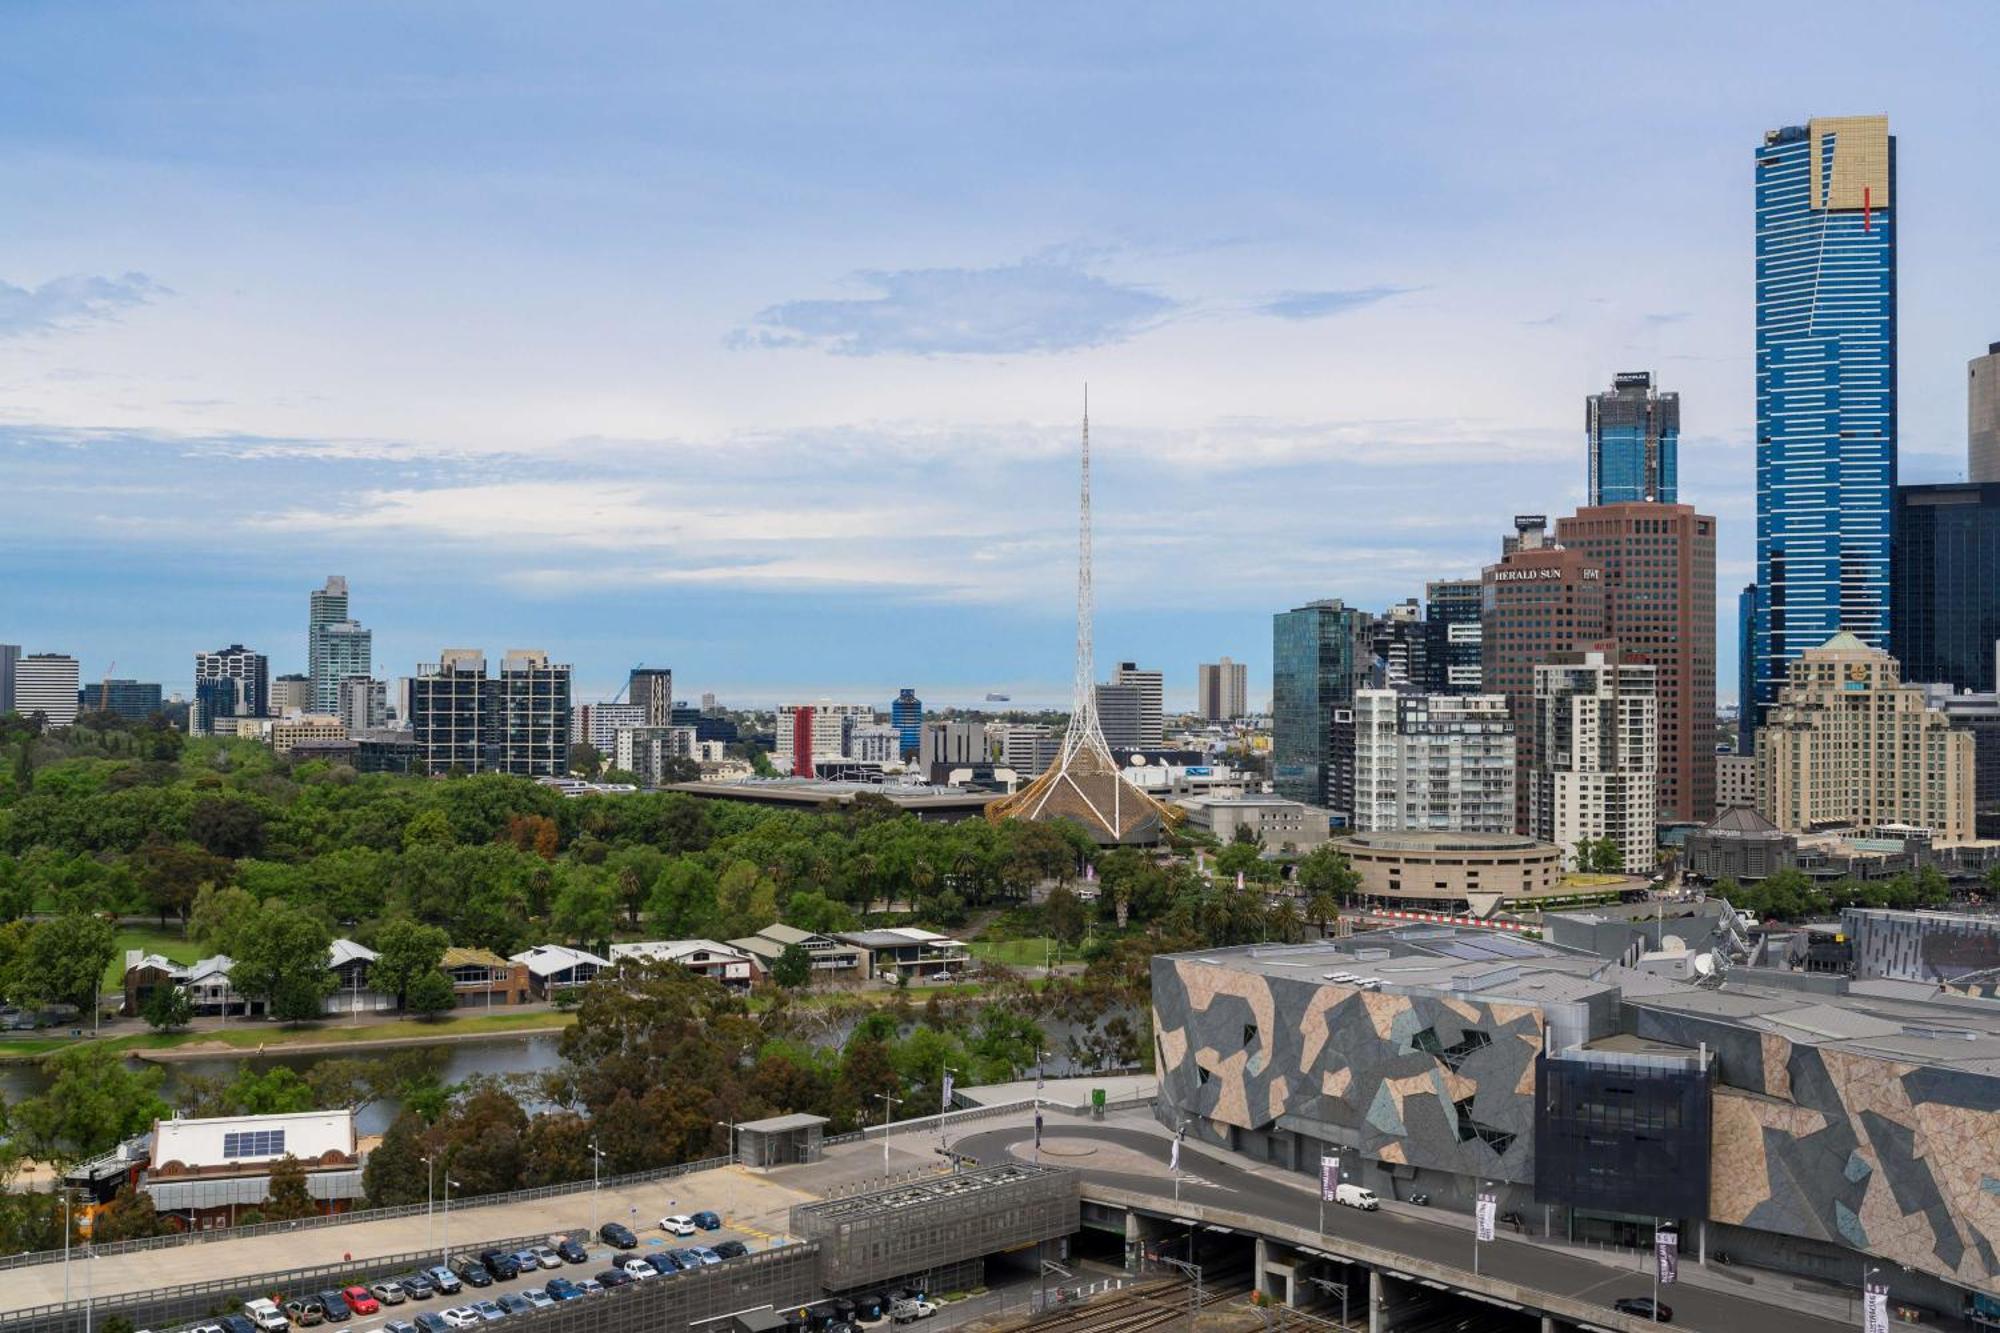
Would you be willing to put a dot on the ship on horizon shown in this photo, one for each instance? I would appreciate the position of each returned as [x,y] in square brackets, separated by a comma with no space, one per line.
[994,698]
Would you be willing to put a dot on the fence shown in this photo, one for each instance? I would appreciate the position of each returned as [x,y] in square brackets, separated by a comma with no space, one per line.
[175,1238]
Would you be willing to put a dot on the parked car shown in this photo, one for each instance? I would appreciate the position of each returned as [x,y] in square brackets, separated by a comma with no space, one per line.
[389,1292]
[590,1286]
[538,1298]
[514,1302]
[470,1271]
[399,1326]
[680,1224]
[502,1264]
[361,1300]
[731,1249]
[618,1235]
[910,1310]
[461,1316]
[545,1256]
[640,1268]
[562,1289]
[444,1280]
[613,1278]
[1643,1307]
[336,1307]
[708,1220]
[703,1253]
[1355,1196]
[489,1311]
[572,1251]
[417,1286]
[305,1312]
[431,1321]
[266,1315]
[236,1323]
[667,1263]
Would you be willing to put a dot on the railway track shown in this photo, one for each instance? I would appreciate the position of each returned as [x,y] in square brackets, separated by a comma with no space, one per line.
[1134,1310]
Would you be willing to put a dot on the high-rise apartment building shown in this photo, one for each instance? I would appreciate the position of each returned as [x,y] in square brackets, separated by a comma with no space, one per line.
[1451,622]
[230,682]
[1633,433]
[1947,584]
[135,701]
[1151,686]
[648,751]
[652,689]
[874,743]
[517,722]
[1826,388]
[952,744]
[336,646]
[1849,745]
[45,685]
[1539,600]
[363,704]
[906,715]
[1025,747]
[1320,655]
[1982,416]
[598,725]
[809,732]
[1596,756]
[10,661]
[290,693]
[1658,570]
[1221,690]
[1441,762]
[1398,641]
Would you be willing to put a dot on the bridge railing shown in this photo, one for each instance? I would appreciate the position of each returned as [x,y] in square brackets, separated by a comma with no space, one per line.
[177,1238]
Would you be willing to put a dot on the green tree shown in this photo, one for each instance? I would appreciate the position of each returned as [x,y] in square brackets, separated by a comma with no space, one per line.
[279,955]
[93,1102]
[1325,870]
[1065,915]
[395,1173]
[682,903]
[586,760]
[63,961]
[430,994]
[277,1091]
[586,906]
[792,968]
[289,1200]
[405,951]
[167,1008]
[129,1216]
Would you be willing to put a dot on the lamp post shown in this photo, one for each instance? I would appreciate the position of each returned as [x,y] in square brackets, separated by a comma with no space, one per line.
[890,1103]
[1479,1204]
[66,1230]
[444,1254]
[730,1125]
[944,1110]
[595,1157]
[430,1191]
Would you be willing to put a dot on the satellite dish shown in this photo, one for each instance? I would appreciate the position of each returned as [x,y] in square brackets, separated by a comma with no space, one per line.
[1704,964]
[1673,944]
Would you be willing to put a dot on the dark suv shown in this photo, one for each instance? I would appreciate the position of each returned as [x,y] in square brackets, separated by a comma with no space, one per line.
[501,1263]
[618,1235]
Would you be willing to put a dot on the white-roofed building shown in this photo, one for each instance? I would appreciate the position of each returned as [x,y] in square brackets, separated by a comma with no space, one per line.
[206,981]
[350,964]
[208,1171]
[557,967]
[737,968]
[920,953]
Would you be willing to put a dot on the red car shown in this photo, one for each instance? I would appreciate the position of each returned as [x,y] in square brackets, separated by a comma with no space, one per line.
[362,1301]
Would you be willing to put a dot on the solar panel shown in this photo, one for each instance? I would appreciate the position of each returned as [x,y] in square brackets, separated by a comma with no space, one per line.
[241,1144]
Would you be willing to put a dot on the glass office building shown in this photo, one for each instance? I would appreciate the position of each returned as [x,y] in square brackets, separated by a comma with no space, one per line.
[906,715]
[1947,584]
[1826,389]
[1634,435]
[1319,656]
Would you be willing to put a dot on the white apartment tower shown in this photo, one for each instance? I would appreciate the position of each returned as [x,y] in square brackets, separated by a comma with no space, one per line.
[1151,686]
[1597,756]
[1442,762]
[45,683]
[1221,690]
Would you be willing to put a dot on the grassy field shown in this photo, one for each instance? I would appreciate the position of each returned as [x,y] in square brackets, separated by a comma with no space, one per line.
[1031,952]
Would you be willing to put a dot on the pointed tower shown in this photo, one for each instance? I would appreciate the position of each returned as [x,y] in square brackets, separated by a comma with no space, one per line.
[1083,783]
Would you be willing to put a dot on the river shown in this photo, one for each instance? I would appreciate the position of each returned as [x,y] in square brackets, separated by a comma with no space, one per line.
[458,1060]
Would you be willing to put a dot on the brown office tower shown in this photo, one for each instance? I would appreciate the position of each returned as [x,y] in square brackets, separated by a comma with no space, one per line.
[1659,604]
[1540,599]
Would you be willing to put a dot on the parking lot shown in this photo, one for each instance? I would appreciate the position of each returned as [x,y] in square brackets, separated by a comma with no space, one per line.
[651,1240]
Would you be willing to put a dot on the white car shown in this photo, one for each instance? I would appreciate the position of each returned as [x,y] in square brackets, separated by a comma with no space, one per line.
[462,1316]
[680,1224]
[640,1269]
[546,1257]
[538,1298]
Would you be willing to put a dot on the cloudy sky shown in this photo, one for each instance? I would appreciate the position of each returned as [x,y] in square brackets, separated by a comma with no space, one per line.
[751,340]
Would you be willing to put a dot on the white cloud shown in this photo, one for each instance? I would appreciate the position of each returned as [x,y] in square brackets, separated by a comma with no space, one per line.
[71,301]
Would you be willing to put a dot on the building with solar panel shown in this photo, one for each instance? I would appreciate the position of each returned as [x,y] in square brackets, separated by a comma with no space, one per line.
[1667,1074]
[204,1173]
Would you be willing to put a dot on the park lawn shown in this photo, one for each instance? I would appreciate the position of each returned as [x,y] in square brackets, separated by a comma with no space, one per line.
[1032,952]
[169,943]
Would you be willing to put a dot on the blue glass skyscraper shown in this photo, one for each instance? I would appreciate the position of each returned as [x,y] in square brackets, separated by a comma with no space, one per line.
[1826,389]
[906,715]
[1634,434]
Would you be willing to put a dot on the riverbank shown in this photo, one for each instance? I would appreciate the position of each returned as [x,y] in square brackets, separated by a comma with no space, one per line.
[254,1039]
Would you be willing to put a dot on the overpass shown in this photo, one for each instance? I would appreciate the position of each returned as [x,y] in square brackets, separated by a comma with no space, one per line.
[1222,1208]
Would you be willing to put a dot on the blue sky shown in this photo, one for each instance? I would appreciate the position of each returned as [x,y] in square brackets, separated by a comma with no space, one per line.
[751,339]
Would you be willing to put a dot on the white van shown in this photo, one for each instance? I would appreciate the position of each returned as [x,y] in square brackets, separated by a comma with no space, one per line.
[1354,1196]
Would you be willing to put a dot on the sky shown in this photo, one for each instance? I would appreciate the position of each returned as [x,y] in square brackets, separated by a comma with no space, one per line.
[753,340]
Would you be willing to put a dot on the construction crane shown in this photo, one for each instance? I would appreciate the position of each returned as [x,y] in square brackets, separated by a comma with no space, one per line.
[619,697]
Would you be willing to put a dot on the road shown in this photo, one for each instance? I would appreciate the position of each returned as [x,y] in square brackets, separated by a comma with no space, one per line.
[1215,1180]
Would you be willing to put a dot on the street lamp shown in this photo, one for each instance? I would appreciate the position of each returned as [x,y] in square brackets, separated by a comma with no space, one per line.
[444,1254]
[1480,1204]
[66,1230]
[944,1110]
[891,1102]
[430,1191]
[595,1158]
[730,1125]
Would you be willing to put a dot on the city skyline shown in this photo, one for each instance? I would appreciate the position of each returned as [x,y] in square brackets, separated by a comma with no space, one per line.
[356,333]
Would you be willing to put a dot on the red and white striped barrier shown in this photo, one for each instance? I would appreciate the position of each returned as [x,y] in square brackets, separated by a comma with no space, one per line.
[1442,919]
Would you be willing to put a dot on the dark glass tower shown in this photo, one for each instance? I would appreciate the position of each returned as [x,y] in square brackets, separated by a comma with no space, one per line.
[1947,584]
[906,715]
[1319,657]
[1826,389]
[1634,432]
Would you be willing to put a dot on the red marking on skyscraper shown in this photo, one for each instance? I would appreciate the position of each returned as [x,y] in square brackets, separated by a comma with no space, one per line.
[1866,207]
